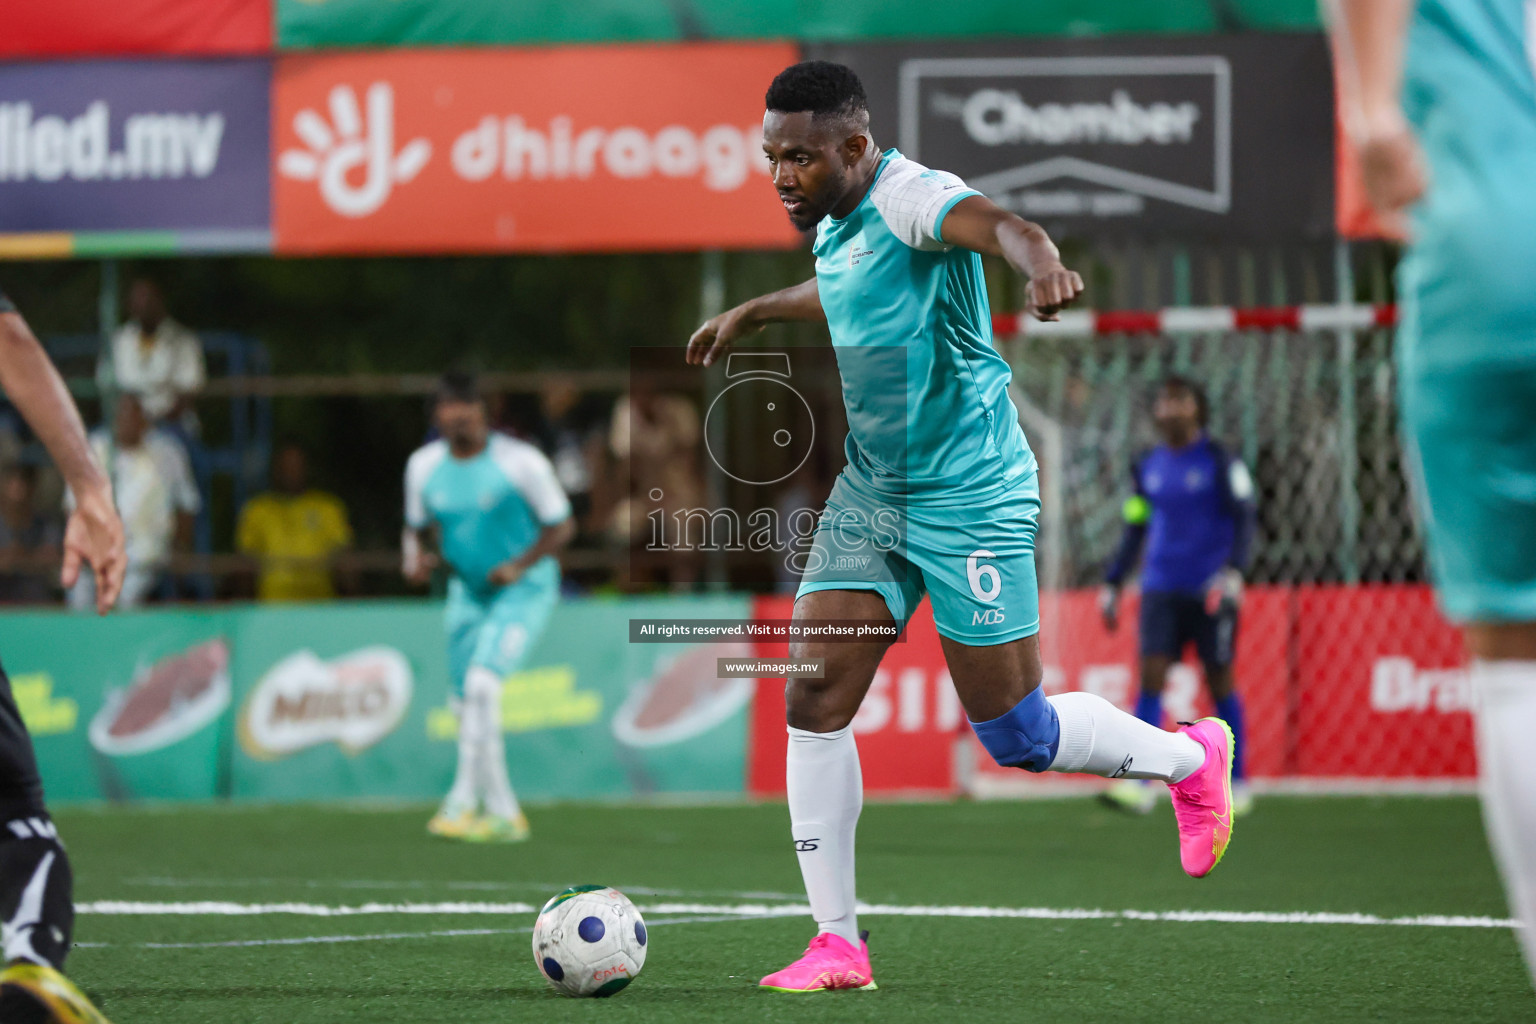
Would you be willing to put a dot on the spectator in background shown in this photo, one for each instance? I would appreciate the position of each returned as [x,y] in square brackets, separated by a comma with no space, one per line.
[575,439]
[158,359]
[295,532]
[656,437]
[29,542]
[152,482]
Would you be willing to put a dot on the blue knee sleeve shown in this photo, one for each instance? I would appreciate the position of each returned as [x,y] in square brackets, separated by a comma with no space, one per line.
[1026,737]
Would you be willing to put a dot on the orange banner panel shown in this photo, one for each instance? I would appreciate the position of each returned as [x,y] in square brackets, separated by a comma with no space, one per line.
[580,149]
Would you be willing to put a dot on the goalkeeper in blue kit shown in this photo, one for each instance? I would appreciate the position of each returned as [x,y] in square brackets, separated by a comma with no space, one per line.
[1193,511]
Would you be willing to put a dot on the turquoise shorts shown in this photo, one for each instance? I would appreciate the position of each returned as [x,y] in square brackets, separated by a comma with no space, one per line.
[497,633]
[1470,432]
[975,562]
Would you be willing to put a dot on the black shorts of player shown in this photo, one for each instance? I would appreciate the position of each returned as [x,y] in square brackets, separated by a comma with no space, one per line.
[1170,622]
[21,788]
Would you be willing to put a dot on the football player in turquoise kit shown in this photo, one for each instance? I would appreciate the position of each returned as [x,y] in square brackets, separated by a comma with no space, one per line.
[939,496]
[1441,106]
[1192,508]
[488,506]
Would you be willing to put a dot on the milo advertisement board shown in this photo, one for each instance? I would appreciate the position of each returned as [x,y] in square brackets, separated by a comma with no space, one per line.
[592,715]
[352,700]
[329,702]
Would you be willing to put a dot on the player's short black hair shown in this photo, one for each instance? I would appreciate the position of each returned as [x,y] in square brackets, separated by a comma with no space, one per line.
[1175,382]
[459,386]
[825,89]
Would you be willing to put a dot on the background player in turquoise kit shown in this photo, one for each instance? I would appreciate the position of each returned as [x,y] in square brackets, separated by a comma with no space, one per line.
[1458,77]
[939,496]
[488,506]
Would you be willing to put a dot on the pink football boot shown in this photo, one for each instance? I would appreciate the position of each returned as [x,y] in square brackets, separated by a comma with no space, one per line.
[830,962]
[1202,803]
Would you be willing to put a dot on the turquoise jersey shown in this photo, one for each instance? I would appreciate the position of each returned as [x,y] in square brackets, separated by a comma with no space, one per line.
[929,417]
[1470,93]
[488,509]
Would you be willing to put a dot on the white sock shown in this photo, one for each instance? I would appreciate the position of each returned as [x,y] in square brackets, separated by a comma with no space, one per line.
[1506,720]
[1099,739]
[481,686]
[461,797]
[826,794]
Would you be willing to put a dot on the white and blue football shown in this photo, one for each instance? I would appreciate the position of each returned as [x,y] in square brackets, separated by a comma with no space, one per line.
[589,941]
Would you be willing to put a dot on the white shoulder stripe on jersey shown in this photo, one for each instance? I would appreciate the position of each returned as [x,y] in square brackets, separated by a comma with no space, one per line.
[910,198]
[418,470]
[531,473]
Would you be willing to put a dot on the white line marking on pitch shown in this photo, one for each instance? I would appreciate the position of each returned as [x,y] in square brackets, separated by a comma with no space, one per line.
[418,884]
[314,940]
[756,910]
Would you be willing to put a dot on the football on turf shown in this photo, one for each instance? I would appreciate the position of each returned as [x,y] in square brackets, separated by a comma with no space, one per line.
[589,941]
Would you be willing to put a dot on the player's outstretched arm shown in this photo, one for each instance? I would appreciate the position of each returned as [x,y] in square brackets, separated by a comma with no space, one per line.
[716,335]
[418,556]
[978,224]
[94,534]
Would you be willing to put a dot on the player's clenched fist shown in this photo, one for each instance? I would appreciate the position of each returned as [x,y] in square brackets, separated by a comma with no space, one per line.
[1052,290]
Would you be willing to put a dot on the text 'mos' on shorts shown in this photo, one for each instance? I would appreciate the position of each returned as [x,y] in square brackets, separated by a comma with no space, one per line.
[975,562]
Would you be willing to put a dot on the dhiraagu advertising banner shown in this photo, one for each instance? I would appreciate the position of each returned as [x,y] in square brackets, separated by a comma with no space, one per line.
[352,700]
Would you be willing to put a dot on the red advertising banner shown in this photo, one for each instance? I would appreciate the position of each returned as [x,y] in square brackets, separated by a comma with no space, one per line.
[1365,683]
[906,728]
[1384,691]
[618,148]
[120,27]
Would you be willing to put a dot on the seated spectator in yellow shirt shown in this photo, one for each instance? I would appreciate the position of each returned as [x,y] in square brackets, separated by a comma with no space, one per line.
[294,532]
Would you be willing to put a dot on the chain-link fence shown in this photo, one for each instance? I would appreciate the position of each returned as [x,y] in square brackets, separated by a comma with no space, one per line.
[1312,413]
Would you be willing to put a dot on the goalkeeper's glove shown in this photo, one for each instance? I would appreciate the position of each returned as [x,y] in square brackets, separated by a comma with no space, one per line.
[1109,606]
[1224,591]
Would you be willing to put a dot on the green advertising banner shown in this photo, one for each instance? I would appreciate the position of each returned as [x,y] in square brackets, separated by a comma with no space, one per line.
[348,701]
[321,23]
[332,701]
[126,706]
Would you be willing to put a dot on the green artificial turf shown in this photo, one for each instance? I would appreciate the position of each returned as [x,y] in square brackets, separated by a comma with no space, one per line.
[1389,857]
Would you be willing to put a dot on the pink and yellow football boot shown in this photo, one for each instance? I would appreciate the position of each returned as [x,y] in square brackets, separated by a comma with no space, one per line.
[1202,803]
[830,962]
